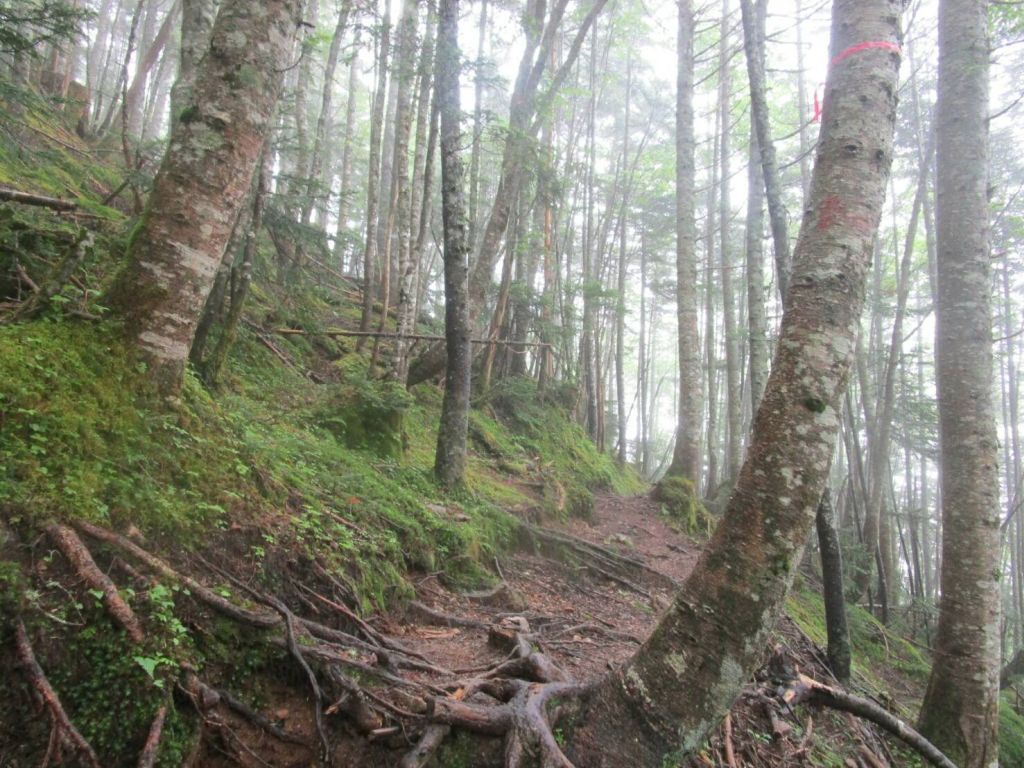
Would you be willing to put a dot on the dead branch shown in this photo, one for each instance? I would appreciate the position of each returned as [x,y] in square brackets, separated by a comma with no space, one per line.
[67,734]
[148,757]
[27,198]
[67,541]
[804,688]
[730,755]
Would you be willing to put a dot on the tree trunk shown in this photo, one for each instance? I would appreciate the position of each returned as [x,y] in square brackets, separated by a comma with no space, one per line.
[373,175]
[686,458]
[450,460]
[733,395]
[203,181]
[197,17]
[712,638]
[835,600]
[960,709]
[769,165]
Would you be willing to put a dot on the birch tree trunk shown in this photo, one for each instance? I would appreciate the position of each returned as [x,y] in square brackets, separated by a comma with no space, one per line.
[202,183]
[668,698]
[960,709]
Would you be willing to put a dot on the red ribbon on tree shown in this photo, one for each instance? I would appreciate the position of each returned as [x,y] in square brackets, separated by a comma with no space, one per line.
[883,45]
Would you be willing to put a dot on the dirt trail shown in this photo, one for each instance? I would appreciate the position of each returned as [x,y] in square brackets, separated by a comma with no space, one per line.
[587,620]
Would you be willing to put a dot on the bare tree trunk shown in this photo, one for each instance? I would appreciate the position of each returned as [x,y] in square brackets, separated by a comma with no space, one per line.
[314,174]
[620,283]
[733,393]
[203,180]
[345,175]
[686,458]
[757,321]
[373,175]
[769,165]
[960,709]
[450,460]
[835,601]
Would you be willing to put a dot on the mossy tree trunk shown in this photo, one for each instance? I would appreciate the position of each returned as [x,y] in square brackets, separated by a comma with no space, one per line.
[675,690]
[960,710]
[202,183]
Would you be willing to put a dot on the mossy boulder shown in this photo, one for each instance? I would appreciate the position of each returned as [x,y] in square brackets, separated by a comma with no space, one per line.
[682,506]
[368,416]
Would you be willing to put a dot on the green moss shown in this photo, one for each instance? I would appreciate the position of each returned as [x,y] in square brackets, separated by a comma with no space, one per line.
[1011,733]
[681,505]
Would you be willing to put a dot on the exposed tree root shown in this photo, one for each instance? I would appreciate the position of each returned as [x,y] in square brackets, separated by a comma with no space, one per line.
[601,559]
[519,697]
[431,740]
[67,541]
[64,734]
[204,697]
[318,696]
[263,619]
[147,759]
[806,689]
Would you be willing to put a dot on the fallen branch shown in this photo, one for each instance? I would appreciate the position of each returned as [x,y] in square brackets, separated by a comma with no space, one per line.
[392,335]
[67,541]
[804,688]
[27,198]
[66,733]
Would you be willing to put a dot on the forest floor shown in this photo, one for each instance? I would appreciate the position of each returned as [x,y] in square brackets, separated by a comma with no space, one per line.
[586,620]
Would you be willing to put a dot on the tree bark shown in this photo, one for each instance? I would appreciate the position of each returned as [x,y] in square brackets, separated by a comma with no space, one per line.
[686,458]
[960,709]
[712,637]
[835,601]
[769,165]
[174,254]
[197,18]
[450,459]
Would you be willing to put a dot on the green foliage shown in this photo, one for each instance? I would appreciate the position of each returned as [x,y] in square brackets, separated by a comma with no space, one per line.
[546,435]
[877,651]
[365,413]
[112,689]
[1011,733]
[81,438]
[27,25]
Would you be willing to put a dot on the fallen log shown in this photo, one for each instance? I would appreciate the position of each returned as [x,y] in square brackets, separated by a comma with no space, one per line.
[27,198]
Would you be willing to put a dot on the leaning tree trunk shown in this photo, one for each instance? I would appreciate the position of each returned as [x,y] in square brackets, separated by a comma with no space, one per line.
[202,183]
[960,710]
[682,681]
[450,460]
